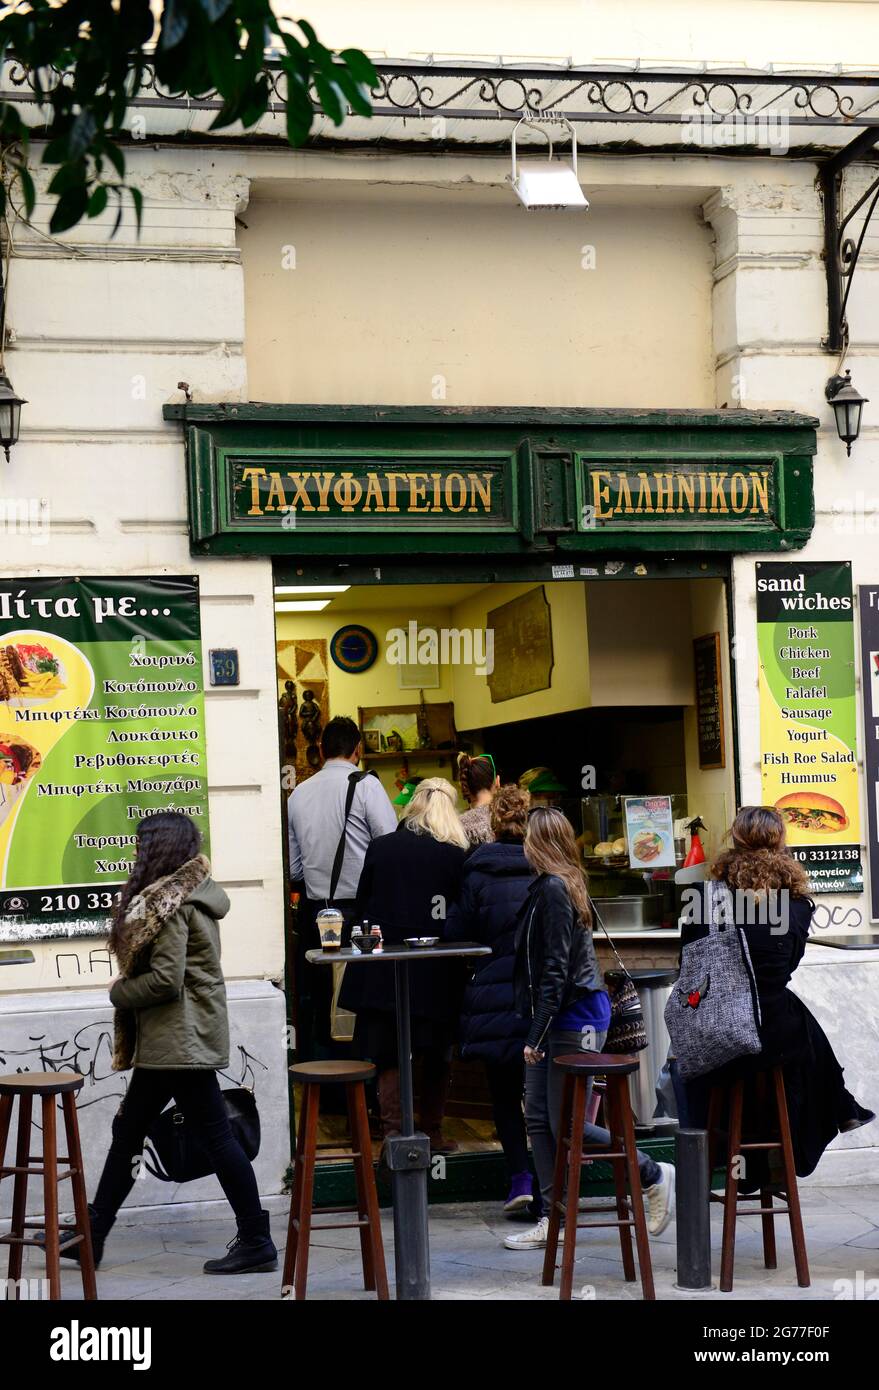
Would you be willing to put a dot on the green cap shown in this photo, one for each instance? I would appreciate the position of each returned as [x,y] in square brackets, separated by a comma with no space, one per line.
[544,783]
[407,792]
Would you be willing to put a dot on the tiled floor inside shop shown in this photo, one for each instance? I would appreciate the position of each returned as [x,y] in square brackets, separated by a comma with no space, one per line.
[161,1258]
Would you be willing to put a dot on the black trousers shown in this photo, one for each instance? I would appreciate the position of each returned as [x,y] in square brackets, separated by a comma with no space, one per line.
[197,1093]
[506,1085]
[317,985]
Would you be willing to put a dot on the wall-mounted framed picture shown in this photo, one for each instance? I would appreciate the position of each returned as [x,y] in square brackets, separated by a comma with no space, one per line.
[422,676]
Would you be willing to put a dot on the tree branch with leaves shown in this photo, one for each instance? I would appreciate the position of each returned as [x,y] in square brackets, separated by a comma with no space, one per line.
[87,62]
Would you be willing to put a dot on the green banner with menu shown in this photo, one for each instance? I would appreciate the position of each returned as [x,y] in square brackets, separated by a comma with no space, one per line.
[101,724]
[808,724]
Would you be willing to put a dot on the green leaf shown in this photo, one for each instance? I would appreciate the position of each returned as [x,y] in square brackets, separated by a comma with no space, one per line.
[67,176]
[56,151]
[255,103]
[328,96]
[354,94]
[98,201]
[360,66]
[300,114]
[137,200]
[28,191]
[115,156]
[70,209]
[297,58]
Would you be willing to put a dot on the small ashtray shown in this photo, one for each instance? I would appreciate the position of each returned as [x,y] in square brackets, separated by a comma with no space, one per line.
[416,942]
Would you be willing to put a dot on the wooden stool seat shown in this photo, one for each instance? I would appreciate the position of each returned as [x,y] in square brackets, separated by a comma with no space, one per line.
[621,1154]
[354,1075]
[40,1083]
[737,1150]
[315,1073]
[47,1086]
[597,1063]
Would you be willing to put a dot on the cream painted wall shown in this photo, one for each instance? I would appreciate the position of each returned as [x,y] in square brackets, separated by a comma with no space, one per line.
[738,32]
[103,331]
[459,296]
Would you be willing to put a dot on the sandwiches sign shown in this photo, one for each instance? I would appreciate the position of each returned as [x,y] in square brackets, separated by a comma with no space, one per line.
[808,742]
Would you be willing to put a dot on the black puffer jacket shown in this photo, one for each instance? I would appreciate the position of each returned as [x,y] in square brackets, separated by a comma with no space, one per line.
[555,957]
[495,885]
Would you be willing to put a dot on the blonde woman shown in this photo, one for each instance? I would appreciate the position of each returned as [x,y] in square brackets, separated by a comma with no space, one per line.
[409,881]
[559,988]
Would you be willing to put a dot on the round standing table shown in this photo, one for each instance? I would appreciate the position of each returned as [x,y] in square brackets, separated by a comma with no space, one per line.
[408,1153]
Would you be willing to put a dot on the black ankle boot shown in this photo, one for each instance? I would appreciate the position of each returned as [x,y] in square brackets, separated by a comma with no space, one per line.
[99,1234]
[251,1252]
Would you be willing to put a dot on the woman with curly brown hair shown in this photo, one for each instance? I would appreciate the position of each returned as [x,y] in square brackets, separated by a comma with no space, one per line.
[770,894]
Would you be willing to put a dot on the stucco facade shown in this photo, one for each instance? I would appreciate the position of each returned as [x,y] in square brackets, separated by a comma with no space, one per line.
[360,277]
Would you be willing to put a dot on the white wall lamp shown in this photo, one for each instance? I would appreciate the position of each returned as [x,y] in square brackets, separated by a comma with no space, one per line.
[544,185]
[848,403]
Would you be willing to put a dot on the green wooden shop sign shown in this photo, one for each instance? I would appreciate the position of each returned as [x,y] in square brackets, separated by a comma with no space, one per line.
[382,482]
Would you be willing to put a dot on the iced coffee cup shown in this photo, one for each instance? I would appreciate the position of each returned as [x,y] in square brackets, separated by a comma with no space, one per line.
[329,924]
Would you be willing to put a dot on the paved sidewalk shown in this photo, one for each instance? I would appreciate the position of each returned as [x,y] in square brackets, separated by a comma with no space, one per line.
[163,1260]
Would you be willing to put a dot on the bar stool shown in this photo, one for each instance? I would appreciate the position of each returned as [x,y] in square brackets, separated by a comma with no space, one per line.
[787,1189]
[312,1076]
[46,1086]
[622,1155]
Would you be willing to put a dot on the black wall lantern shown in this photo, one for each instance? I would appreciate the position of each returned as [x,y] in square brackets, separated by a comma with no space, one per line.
[10,414]
[847,404]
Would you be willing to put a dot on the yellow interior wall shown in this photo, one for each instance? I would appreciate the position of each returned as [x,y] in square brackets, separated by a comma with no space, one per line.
[638,652]
[569,688]
[380,684]
[640,649]
[711,794]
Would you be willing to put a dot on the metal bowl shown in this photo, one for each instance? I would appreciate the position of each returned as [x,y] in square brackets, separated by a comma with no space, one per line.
[630,912]
[421,941]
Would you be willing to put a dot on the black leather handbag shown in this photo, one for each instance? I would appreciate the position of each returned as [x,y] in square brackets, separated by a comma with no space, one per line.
[173,1153]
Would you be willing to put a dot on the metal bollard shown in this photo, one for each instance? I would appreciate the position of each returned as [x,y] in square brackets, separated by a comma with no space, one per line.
[692,1188]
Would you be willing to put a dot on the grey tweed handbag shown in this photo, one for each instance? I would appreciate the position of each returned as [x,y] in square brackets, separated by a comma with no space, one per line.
[713,1013]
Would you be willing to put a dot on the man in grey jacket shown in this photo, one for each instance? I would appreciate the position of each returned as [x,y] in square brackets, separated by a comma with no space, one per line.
[315,819]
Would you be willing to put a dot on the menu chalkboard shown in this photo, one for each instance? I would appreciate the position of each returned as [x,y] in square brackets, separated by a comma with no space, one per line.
[709,701]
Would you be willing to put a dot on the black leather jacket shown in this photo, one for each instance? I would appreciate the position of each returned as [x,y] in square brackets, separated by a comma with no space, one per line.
[555,957]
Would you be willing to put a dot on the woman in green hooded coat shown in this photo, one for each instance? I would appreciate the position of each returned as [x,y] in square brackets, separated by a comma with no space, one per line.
[171,1026]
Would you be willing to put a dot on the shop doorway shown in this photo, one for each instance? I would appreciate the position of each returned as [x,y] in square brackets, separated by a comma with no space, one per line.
[586,688]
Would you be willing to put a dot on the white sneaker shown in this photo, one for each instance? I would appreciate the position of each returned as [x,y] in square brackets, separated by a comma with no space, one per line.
[660,1200]
[532,1239]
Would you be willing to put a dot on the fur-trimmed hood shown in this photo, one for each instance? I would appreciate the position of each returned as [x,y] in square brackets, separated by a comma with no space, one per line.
[170,936]
[150,910]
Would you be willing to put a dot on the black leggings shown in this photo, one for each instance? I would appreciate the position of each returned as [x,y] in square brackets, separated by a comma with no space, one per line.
[506,1084]
[197,1093]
